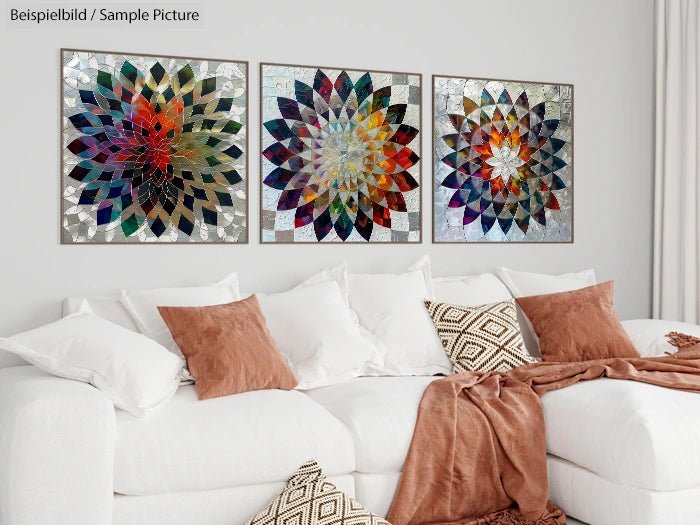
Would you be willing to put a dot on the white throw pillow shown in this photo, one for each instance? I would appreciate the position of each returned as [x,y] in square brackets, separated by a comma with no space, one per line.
[136,373]
[524,284]
[391,307]
[470,290]
[338,273]
[649,335]
[143,305]
[315,329]
[106,306]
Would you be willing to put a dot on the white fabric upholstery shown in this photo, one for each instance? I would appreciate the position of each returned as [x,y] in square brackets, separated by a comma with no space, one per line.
[249,438]
[627,432]
[380,413]
[376,491]
[232,506]
[56,450]
[593,499]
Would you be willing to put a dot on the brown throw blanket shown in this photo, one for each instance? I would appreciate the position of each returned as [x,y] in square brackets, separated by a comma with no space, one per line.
[478,454]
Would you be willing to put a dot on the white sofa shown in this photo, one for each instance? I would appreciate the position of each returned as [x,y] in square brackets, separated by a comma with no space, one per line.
[620,453]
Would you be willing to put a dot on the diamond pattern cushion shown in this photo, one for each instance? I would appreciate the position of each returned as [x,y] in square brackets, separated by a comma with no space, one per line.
[310,499]
[480,338]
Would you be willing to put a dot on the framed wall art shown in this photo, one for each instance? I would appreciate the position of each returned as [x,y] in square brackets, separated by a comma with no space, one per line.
[154,149]
[503,161]
[340,155]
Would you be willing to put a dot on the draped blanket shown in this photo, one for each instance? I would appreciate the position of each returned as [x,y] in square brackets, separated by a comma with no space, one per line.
[478,453]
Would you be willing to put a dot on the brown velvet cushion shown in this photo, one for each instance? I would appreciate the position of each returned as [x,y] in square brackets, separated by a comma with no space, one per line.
[579,325]
[228,348]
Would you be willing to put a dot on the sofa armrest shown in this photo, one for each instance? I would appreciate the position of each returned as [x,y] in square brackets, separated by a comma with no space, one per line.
[57,441]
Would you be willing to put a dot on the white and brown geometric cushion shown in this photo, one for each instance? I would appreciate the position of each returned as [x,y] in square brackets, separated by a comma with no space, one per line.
[480,338]
[310,499]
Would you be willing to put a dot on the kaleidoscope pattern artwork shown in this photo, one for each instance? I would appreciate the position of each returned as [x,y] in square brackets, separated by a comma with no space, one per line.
[340,155]
[154,149]
[503,154]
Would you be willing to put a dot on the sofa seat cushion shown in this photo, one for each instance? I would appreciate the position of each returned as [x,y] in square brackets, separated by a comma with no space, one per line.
[627,432]
[231,506]
[242,439]
[380,413]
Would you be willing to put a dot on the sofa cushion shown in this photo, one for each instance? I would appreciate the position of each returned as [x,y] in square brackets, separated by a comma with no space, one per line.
[249,438]
[522,284]
[481,338]
[391,307]
[627,432]
[315,328]
[376,490]
[231,506]
[106,306]
[134,372]
[470,290]
[380,413]
[579,325]
[143,305]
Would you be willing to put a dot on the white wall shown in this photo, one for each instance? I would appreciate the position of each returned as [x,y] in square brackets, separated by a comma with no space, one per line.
[603,47]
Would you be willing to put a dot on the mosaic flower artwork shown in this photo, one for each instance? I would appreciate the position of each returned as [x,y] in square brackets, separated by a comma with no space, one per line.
[503,161]
[154,149]
[340,155]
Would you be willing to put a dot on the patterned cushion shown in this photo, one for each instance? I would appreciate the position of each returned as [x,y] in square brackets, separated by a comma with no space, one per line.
[310,499]
[480,338]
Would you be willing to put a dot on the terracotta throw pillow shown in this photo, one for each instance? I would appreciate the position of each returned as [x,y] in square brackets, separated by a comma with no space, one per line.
[579,325]
[228,348]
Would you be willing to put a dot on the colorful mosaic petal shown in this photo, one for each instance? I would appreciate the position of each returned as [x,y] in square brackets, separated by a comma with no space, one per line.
[154,149]
[503,161]
[340,159]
